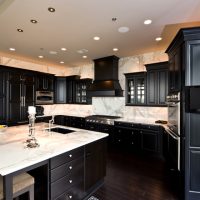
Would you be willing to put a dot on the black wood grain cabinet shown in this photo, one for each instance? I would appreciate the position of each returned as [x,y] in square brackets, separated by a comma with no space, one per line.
[21,87]
[3,94]
[184,58]
[44,81]
[60,90]
[138,137]
[157,83]
[135,88]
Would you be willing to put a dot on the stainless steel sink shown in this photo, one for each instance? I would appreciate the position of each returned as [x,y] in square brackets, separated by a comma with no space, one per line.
[61,130]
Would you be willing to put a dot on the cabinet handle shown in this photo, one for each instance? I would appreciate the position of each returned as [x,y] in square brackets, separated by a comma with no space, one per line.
[70,167]
[70,181]
[24,101]
[70,155]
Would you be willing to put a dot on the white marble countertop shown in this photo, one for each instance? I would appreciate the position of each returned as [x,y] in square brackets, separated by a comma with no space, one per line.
[139,121]
[14,156]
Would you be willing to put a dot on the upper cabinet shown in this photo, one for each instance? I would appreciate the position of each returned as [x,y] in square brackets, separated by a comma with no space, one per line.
[72,90]
[81,91]
[157,83]
[45,82]
[148,88]
[136,88]
[175,70]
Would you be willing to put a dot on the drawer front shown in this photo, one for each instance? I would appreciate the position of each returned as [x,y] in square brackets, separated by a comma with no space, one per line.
[67,169]
[74,193]
[60,186]
[66,157]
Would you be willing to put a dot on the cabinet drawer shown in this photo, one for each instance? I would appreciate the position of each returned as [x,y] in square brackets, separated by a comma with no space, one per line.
[66,157]
[76,192]
[67,169]
[60,186]
[150,127]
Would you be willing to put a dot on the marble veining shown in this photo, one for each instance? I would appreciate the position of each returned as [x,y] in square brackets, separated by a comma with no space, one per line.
[14,156]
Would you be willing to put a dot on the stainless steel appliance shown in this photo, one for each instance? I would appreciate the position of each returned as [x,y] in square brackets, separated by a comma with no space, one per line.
[173,130]
[101,123]
[44,97]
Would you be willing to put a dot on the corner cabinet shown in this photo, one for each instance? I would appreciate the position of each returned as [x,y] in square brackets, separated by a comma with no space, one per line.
[157,83]
[136,88]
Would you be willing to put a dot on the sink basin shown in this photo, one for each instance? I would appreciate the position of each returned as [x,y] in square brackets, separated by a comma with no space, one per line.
[61,130]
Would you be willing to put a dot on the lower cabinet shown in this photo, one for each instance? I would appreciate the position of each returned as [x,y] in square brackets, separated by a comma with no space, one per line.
[138,137]
[73,175]
[95,163]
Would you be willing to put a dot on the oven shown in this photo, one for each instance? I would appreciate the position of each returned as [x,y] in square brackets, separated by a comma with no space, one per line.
[173,129]
[44,97]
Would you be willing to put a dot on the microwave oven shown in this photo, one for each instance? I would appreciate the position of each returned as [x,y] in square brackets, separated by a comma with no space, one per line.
[44,97]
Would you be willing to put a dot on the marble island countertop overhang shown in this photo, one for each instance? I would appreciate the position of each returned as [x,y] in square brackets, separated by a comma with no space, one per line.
[15,156]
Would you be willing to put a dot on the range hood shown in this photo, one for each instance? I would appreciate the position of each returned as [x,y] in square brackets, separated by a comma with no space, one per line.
[106,83]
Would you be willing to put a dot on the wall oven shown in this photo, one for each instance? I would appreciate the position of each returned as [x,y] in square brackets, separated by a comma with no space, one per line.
[173,129]
[44,97]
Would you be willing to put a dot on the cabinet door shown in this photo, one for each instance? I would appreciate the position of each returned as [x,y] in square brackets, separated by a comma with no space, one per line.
[3,84]
[140,90]
[162,88]
[131,91]
[149,141]
[152,87]
[60,90]
[95,162]
[70,89]
[15,98]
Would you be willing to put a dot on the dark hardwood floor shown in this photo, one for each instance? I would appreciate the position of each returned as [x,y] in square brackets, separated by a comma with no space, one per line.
[137,177]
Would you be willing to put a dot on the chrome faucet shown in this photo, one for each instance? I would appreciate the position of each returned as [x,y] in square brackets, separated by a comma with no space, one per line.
[51,122]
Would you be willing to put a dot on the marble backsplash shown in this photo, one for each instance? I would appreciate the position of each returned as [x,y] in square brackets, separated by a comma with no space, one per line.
[108,106]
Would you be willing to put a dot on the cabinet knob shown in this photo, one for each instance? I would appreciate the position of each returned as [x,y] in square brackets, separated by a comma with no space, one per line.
[70,196]
[70,181]
[70,155]
[70,167]
[119,140]
[119,131]
[132,133]
[140,131]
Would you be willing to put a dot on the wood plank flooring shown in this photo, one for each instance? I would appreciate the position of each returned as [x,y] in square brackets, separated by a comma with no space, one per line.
[136,177]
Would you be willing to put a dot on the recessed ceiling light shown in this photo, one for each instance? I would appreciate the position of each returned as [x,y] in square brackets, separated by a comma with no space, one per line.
[96,38]
[158,39]
[63,49]
[40,56]
[81,51]
[123,29]
[53,52]
[147,21]
[115,49]
[62,62]
[84,56]
[12,49]
[33,21]
[50,9]
[20,30]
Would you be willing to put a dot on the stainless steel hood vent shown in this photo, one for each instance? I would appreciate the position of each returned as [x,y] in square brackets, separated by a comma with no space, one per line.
[106,83]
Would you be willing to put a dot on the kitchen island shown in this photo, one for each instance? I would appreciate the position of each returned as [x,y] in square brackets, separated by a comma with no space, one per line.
[16,158]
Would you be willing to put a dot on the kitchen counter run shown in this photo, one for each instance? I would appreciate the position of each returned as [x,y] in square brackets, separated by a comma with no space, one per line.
[14,156]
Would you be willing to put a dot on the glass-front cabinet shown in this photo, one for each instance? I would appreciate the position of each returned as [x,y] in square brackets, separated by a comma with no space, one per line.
[136,88]
[81,91]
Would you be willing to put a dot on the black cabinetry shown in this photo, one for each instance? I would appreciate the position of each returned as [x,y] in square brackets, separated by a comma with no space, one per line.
[72,90]
[157,83]
[45,82]
[136,88]
[95,163]
[67,175]
[184,58]
[21,95]
[3,93]
[77,122]
[138,137]
[60,90]
[81,87]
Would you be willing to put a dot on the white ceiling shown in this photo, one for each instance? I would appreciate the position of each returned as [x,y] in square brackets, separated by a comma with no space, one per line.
[76,22]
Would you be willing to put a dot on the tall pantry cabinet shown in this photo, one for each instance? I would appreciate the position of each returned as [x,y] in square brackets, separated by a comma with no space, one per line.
[184,58]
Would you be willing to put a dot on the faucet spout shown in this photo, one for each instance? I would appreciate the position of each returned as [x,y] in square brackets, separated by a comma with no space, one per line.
[51,122]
